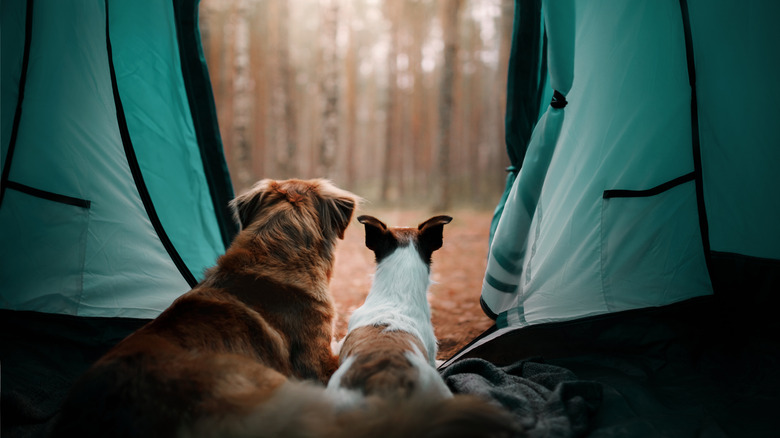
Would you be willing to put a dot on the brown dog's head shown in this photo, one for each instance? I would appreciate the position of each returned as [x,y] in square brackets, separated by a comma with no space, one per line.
[296,206]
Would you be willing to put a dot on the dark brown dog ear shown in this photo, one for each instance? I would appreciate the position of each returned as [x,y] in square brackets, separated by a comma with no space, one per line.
[344,207]
[432,233]
[375,232]
[246,206]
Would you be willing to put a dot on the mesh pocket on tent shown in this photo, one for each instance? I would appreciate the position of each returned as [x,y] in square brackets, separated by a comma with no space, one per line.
[651,249]
[35,229]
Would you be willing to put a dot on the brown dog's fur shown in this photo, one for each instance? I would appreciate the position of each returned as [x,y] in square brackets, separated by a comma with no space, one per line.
[263,315]
[245,352]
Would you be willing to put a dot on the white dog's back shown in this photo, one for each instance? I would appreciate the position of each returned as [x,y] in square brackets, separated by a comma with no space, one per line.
[390,346]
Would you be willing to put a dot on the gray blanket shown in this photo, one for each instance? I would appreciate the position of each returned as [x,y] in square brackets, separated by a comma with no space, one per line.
[549,401]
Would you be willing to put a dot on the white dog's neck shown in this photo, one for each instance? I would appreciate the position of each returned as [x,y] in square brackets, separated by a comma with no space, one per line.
[402,278]
[398,297]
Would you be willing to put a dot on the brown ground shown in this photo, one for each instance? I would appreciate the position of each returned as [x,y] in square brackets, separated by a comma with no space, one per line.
[457,270]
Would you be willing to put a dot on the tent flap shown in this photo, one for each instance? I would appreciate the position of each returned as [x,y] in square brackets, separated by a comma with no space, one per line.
[656,171]
[103,179]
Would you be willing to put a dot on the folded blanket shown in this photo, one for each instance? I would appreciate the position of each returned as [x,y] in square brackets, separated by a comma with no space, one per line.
[549,401]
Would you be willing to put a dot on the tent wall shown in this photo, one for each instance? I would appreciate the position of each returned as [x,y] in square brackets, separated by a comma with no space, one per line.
[737,64]
[624,191]
[106,206]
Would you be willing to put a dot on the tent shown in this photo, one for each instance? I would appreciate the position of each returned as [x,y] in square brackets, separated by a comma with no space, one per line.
[637,242]
[649,180]
[108,136]
[111,162]
[636,245]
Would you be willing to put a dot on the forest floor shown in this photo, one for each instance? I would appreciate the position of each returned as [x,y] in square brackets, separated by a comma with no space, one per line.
[457,271]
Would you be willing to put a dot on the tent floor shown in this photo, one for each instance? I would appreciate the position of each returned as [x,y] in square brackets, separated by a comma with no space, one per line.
[676,371]
[41,356]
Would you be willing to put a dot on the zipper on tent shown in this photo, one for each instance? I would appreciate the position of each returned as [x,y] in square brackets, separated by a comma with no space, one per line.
[18,112]
[135,169]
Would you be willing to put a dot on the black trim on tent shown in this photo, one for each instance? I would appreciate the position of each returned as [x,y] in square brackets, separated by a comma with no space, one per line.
[204,115]
[135,168]
[55,197]
[486,309]
[695,142]
[617,193]
[20,98]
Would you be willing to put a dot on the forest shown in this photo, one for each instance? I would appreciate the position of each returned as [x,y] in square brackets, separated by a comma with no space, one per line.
[400,101]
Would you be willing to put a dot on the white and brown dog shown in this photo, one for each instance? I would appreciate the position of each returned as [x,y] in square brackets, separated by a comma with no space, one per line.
[390,349]
[261,318]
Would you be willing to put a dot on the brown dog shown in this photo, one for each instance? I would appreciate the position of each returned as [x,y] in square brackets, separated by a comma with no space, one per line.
[221,351]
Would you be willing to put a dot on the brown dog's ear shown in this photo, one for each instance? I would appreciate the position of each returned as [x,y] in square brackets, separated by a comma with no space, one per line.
[344,207]
[335,208]
[432,233]
[246,206]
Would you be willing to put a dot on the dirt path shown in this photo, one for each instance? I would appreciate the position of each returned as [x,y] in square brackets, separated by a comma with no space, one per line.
[457,271]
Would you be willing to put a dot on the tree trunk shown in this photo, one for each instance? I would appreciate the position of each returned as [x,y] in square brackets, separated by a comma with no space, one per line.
[351,109]
[329,87]
[391,130]
[242,95]
[283,134]
[449,15]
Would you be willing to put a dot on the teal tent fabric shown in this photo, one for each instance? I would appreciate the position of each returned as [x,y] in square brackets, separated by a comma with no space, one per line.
[526,89]
[630,195]
[108,206]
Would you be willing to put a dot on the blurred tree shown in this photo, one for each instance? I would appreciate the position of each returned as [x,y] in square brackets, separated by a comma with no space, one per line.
[242,94]
[399,100]
[329,86]
[391,10]
[449,17]
[283,109]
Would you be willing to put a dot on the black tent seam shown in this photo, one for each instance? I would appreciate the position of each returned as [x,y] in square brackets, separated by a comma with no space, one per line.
[135,168]
[695,140]
[203,112]
[542,70]
[620,193]
[20,99]
[49,196]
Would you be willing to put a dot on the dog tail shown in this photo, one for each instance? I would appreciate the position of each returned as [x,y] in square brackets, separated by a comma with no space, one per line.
[461,416]
[302,410]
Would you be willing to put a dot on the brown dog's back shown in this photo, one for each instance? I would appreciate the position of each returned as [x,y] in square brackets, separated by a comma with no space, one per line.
[262,316]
